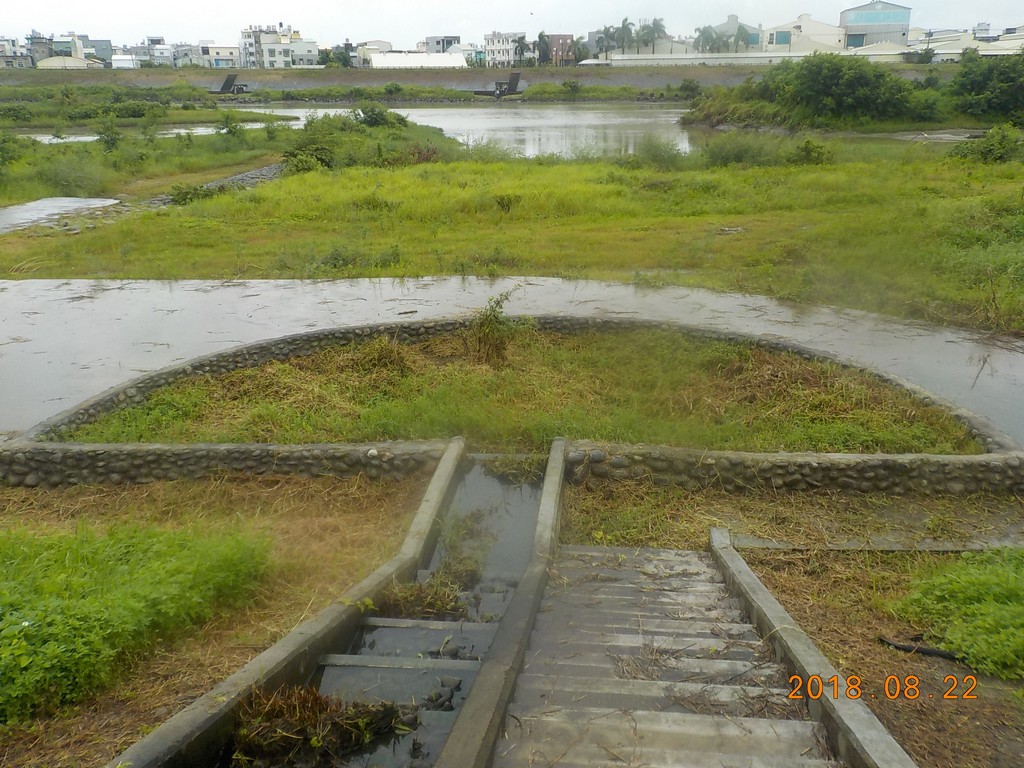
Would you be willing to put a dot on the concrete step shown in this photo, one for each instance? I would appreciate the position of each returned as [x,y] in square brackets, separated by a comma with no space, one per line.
[638,586]
[531,756]
[622,612]
[569,643]
[577,571]
[645,601]
[655,667]
[603,736]
[429,639]
[603,693]
[386,678]
[597,620]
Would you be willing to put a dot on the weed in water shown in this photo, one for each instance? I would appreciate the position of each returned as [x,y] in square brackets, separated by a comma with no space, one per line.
[296,726]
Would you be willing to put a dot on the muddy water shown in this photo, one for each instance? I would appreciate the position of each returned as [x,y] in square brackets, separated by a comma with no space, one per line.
[47,209]
[64,341]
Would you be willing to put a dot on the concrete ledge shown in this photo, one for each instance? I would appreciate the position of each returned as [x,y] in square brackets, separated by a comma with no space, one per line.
[481,717]
[199,734]
[853,732]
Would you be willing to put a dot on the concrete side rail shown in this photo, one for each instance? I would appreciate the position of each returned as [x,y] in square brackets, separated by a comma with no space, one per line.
[853,732]
[478,726]
[200,733]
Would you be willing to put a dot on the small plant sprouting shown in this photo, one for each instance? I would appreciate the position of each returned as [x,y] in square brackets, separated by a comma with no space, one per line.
[491,330]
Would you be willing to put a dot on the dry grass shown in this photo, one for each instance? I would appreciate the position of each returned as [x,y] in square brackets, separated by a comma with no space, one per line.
[840,600]
[326,535]
[299,727]
[637,514]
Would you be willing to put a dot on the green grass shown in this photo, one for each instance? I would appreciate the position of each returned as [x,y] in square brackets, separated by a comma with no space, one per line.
[645,386]
[975,608]
[890,226]
[75,607]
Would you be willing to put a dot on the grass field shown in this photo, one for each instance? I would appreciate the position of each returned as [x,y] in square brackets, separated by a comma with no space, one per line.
[889,226]
[321,536]
[643,386]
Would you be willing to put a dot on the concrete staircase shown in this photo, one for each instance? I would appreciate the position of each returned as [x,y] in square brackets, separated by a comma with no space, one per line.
[641,659]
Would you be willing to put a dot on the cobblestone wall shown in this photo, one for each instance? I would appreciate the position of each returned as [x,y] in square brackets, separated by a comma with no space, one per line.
[740,472]
[27,461]
[50,465]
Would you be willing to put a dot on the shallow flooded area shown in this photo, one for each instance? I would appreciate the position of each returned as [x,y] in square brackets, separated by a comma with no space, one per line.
[47,209]
[63,341]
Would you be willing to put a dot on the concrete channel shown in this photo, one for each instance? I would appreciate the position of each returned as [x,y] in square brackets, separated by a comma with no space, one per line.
[536,673]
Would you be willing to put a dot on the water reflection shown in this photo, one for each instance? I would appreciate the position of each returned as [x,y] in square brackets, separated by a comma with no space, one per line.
[530,130]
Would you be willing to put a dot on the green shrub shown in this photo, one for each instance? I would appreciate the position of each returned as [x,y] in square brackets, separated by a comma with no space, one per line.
[1000,144]
[975,608]
[183,194]
[73,606]
[741,148]
[809,152]
[374,115]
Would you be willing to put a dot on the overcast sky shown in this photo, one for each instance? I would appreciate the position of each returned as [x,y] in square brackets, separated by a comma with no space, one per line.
[405,22]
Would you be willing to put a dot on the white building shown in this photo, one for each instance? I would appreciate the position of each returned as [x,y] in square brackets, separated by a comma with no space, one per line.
[278,47]
[500,48]
[441,43]
[417,60]
[14,54]
[803,35]
[875,22]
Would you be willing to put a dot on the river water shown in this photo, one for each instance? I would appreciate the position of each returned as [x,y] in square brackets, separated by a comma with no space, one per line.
[63,341]
[529,129]
[541,129]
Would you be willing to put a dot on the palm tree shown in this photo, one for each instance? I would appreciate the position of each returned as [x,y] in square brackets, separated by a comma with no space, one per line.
[543,48]
[705,39]
[578,50]
[624,34]
[606,40]
[741,36]
[522,47]
[657,29]
[644,36]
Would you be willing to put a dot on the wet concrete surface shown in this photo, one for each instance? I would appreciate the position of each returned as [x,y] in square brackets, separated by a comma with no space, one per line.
[48,209]
[62,341]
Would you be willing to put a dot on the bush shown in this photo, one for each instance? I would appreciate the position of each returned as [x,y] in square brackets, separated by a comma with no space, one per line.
[989,86]
[1000,144]
[740,148]
[809,152]
[183,194]
[975,608]
[74,606]
[374,115]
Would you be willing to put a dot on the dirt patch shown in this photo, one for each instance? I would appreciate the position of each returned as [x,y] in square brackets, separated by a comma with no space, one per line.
[327,534]
[841,600]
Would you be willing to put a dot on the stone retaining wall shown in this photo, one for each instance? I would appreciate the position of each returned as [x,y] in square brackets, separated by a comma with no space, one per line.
[29,462]
[298,345]
[50,465]
[738,472]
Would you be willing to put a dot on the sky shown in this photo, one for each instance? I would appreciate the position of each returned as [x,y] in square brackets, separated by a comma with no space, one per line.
[406,22]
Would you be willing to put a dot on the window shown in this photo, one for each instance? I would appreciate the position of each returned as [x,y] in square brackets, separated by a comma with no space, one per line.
[783,38]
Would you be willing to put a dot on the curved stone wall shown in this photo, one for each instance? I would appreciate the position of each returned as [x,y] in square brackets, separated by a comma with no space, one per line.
[39,458]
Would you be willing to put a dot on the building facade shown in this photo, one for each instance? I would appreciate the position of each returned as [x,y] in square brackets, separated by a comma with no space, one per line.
[500,48]
[441,43]
[875,22]
[278,47]
[14,54]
